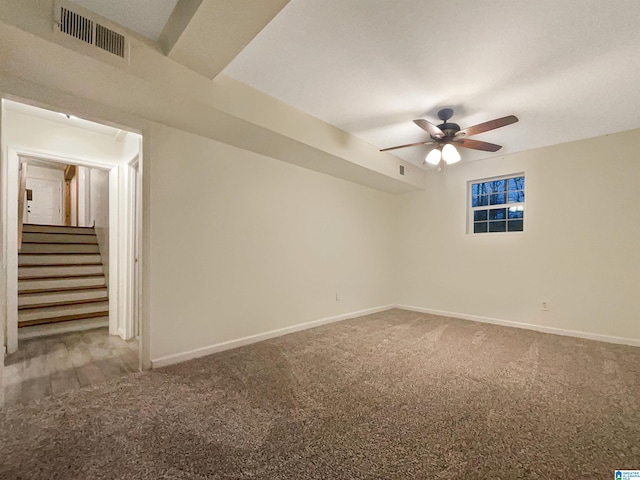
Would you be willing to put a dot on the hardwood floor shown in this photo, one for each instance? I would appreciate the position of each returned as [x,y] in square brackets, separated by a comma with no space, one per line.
[61,363]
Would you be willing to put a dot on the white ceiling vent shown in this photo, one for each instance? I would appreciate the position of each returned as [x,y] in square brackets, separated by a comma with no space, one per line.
[90,31]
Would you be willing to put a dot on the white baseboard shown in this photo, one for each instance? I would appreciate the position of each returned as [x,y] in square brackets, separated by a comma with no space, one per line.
[634,342]
[220,347]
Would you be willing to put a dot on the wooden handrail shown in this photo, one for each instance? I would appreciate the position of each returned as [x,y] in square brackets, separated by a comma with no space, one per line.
[22,193]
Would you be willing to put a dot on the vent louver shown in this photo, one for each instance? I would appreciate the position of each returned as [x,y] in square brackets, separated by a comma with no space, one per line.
[109,40]
[91,32]
[76,25]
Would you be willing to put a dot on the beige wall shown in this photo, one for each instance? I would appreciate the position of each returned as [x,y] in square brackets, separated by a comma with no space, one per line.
[242,244]
[579,250]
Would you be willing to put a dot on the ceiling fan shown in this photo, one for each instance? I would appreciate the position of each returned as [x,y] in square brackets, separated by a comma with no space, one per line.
[448,135]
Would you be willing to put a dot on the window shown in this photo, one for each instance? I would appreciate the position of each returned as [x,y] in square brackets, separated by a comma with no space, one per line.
[497,205]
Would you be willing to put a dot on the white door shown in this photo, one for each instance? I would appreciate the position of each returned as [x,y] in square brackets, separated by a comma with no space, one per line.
[45,206]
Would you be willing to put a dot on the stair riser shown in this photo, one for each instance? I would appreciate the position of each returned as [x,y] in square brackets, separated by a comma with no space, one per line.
[40,298]
[52,312]
[48,329]
[59,283]
[58,248]
[59,238]
[26,259]
[37,271]
[103,318]
[56,229]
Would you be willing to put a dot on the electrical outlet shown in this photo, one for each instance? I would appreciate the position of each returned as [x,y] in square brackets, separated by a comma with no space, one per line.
[544,306]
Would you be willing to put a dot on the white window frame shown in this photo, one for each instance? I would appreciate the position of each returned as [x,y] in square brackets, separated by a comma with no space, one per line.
[471,209]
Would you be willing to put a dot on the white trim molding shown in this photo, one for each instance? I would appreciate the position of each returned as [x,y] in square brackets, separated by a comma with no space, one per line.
[240,342]
[634,342]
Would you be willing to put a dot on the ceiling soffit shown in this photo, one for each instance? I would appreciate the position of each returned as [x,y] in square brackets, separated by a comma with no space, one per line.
[215,32]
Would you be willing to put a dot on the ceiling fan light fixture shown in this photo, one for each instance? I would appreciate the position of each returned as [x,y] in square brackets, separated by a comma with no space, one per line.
[443,135]
[450,154]
[433,157]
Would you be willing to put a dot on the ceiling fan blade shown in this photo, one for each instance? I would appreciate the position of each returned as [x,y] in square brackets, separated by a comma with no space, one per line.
[429,127]
[477,145]
[490,125]
[407,145]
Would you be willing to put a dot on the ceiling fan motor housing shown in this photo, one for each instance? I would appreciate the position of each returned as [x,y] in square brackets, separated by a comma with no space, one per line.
[449,128]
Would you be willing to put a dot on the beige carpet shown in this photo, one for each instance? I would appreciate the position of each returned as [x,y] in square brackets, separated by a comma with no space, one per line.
[395,395]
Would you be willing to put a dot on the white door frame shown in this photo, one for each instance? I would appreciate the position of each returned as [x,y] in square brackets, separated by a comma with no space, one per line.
[136,225]
[123,231]
[121,207]
[27,92]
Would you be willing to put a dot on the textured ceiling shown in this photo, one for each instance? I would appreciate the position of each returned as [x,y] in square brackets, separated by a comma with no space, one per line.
[146,17]
[568,69]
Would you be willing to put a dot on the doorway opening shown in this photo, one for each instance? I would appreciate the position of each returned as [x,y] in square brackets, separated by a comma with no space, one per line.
[71,219]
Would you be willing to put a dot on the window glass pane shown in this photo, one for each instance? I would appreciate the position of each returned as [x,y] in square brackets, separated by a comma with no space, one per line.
[480,201]
[516,183]
[479,215]
[498,205]
[516,196]
[497,198]
[480,227]
[498,186]
[498,226]
[516,212]
[516,225]
[498,214]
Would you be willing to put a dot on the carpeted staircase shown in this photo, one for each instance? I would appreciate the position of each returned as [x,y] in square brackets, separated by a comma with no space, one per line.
[60,276]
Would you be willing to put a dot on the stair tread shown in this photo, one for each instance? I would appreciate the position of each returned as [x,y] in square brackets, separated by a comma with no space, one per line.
[90,233]
[33,242]
[92,264]
[63,304]
[56,311]
[92,275]
[38,225]
[64,248]
[59,253]
[63,318]
[32,232]
[55,243]
[61,289]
